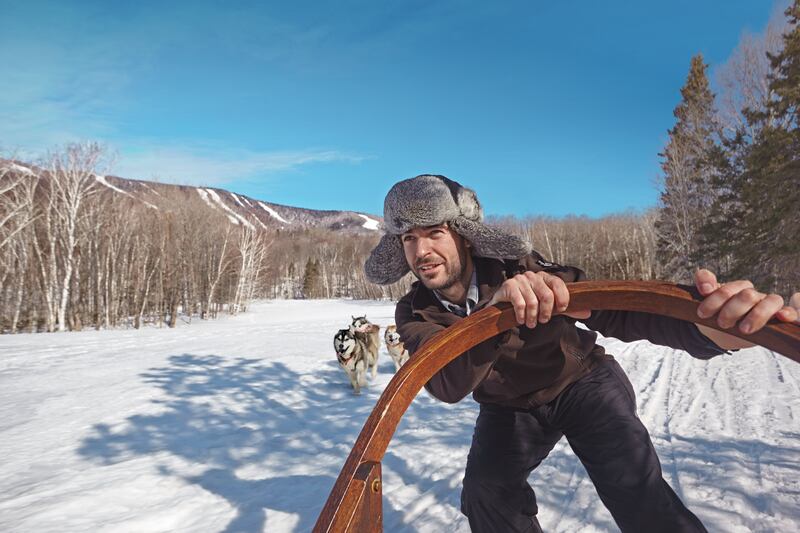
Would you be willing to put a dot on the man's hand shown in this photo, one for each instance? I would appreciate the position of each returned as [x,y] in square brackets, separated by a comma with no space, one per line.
[792,311]
[536,296]
[738,301]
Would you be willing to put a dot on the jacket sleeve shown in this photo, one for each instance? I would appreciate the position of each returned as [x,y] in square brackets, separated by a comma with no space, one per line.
[665,331]
[461,375]
[632,325]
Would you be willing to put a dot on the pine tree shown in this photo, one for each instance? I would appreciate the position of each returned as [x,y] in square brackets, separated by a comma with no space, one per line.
[721,230]
[311,279]
[687,175]
[768,248]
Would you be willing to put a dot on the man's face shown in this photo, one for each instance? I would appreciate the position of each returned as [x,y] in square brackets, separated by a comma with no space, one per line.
[437,256]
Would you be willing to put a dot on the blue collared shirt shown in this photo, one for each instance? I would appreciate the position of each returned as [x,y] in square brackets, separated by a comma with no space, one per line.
[472,298]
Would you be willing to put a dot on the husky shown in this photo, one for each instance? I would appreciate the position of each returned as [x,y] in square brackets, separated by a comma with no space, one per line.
[363,329]
[395,347]
[353,357]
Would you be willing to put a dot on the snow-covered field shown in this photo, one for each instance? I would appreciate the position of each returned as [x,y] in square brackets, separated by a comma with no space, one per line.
[242,424]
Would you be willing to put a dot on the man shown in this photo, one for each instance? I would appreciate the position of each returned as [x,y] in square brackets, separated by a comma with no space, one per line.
[546,378]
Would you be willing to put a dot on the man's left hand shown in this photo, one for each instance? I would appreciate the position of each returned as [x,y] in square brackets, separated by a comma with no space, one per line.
[738,302]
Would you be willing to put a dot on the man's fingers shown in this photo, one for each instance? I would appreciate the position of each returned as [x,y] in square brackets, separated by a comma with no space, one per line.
[535,297]
[706,281]
[737,306]
[514,297]
[560,292]
[545,296]
[791,312]
[761,313]
[532,303]
[712,304]
[521,297]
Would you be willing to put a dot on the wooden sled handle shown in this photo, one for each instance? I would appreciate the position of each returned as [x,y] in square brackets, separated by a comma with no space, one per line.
[352,506]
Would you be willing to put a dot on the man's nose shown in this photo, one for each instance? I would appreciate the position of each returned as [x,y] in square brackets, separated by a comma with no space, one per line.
[423,247]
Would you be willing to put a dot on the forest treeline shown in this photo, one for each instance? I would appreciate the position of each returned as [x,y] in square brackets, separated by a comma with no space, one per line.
[76,254]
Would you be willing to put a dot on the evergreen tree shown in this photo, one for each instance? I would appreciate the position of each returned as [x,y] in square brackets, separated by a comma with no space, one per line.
[722,229]
[688,170]
[311,279]
[768,248]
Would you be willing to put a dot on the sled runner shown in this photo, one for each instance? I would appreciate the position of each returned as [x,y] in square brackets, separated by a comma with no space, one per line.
[354,503]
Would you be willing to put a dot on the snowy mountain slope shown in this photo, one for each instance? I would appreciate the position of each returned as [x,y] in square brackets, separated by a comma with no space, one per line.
[242,424]
[239,209]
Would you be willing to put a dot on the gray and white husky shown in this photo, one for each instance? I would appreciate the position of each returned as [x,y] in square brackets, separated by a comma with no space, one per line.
[363,329]
[353,357]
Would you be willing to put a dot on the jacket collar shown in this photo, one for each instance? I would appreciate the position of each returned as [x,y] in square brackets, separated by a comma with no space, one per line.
[490,275]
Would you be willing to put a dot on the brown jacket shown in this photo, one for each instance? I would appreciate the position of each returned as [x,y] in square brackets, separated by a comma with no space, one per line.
[529,367]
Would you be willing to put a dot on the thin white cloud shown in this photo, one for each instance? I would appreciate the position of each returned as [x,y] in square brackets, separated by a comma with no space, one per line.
[214,166]
[60,86]
[66,88]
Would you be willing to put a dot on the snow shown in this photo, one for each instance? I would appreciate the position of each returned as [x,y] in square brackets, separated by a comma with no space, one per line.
[151,189]
[272,212]
[236,198]
[204,195]
[103,181]
[259,221]
[232,215]
[242,424]
[369,223]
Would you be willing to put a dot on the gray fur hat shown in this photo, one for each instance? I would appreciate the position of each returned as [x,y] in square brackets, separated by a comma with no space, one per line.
[428,200]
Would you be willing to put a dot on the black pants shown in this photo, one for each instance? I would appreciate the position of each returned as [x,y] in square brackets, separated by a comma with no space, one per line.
[597,415]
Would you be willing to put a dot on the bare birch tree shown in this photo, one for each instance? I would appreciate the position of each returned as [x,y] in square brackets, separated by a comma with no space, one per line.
[744,78]
[73,179]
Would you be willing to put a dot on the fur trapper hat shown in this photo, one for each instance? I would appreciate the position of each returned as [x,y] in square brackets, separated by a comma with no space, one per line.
[428,200]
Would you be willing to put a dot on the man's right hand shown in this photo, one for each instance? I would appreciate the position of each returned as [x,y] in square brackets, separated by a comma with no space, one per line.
[536,297]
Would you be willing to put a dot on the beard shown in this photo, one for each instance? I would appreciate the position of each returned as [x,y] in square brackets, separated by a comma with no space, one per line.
[451,277]
[454,269]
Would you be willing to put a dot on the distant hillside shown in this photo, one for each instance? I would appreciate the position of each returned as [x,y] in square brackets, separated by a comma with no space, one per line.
[240,209]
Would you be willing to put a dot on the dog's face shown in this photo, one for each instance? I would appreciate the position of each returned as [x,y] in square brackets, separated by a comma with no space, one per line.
[391,336]
[360,323]
[343,341]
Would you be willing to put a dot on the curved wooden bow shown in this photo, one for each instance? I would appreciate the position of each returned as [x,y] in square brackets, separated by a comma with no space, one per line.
[354,503]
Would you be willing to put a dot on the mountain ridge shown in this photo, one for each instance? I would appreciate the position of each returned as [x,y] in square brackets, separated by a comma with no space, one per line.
[240,209]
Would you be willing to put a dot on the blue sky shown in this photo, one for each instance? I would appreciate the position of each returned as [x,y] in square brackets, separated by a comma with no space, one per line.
[542,107]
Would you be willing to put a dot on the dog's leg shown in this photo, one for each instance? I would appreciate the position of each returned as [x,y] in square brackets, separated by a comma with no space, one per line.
[376,345]
[375,364]
[362,373]
[354,381]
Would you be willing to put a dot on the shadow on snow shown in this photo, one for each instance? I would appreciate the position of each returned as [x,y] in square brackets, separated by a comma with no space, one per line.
[234,415]
[230,415]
